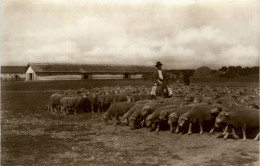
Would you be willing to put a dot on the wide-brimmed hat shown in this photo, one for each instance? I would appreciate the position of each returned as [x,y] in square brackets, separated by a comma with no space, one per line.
[158,64]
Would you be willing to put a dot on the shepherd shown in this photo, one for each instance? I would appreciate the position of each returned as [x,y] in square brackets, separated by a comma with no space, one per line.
[161,87]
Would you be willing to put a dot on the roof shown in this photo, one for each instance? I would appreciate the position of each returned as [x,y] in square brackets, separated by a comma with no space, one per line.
[88,68]
[13,69]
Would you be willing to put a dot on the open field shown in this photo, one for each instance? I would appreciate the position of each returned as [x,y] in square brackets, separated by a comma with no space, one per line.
[31,135]
[88,84]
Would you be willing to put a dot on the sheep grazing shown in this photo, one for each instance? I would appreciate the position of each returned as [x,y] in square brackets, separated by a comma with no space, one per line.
[153,121]
[233,107]
[198,113]
[74,103]
[173,118]
[240,118]
[140,114]
[116,110]
[138,105]
[54,103]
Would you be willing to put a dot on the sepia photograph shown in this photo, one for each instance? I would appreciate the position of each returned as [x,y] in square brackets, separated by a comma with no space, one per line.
[129,82]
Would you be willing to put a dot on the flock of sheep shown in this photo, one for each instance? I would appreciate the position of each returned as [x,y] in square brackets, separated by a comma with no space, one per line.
[204,107]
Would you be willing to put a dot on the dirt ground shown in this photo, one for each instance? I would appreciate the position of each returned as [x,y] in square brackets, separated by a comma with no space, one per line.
[31,135]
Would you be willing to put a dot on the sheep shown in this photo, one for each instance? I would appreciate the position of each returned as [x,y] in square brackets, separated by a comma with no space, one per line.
[198,113]
[140,114]
[120,98]
[137,106]
[93,99]
[104,101]
[54,103]
[153,120]
[116,110]
[75,103]
[243,118]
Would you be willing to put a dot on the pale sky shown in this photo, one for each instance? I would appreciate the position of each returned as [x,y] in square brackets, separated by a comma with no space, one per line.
[180,34]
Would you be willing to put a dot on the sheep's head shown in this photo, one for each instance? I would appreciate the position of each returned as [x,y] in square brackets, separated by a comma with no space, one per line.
[173,118]
[182,120]
[197,99]
[84,95]
[106,117]
[222,118]
[163,115]
[146,110]
[216,110]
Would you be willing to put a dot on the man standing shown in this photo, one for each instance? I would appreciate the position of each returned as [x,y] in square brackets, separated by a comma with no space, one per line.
[161,82]
[186,78]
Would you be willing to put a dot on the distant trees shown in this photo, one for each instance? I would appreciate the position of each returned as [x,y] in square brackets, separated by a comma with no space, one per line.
[224,71]
[235,71]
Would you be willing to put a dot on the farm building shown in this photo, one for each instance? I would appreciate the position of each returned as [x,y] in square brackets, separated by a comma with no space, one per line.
[13,72]
[59,71]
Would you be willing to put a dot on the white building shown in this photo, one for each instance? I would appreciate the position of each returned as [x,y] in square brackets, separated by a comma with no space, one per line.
[13,73]
[61,71]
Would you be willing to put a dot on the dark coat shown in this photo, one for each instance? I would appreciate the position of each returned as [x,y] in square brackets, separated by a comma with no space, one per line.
[186,79]
[165,78]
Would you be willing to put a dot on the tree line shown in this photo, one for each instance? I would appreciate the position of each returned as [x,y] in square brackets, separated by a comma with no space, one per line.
[225,71]
[236,71]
